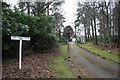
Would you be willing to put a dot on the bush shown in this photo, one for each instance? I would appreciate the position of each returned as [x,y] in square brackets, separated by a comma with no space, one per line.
[62,40]
[15,23]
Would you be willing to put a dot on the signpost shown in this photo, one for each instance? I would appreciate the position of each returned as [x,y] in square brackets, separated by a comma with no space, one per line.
[20,47]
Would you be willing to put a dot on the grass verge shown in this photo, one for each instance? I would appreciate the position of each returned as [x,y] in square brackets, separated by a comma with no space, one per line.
[110,56]
[61,69]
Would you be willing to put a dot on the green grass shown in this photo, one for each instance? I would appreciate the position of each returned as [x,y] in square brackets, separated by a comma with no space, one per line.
[110,56]
[61,69]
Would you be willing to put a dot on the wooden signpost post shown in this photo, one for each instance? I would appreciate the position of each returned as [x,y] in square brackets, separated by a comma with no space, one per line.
[20,46]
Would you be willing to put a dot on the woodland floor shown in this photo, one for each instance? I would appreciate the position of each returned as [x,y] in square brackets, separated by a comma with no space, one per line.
[34,66]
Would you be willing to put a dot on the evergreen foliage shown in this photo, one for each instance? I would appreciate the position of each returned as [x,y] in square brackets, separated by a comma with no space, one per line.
[16,23]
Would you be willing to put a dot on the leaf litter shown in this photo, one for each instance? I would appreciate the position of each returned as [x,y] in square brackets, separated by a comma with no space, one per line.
[38,65]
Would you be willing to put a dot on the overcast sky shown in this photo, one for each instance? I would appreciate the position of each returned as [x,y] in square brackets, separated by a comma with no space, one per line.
[69,9]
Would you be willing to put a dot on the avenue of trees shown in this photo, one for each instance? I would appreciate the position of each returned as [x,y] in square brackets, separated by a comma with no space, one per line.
[99,21]
[43,22]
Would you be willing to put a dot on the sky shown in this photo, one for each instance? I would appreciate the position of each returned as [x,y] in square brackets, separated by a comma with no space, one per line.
[69,12]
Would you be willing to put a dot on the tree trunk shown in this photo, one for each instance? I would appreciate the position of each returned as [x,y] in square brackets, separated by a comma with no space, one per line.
[109,28]
[95,30]
[59,33]
[85,33]
[101,31]
[79,35]
[90,38]
[105,40]
[113,32]
[104,34]
[88,33]
[48,10]
[28,6]
[82,35]
[118,41]
[92,31]
[38,9]
[75,35]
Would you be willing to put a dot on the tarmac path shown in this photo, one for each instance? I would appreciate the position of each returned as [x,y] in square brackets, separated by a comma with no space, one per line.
[91,65]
